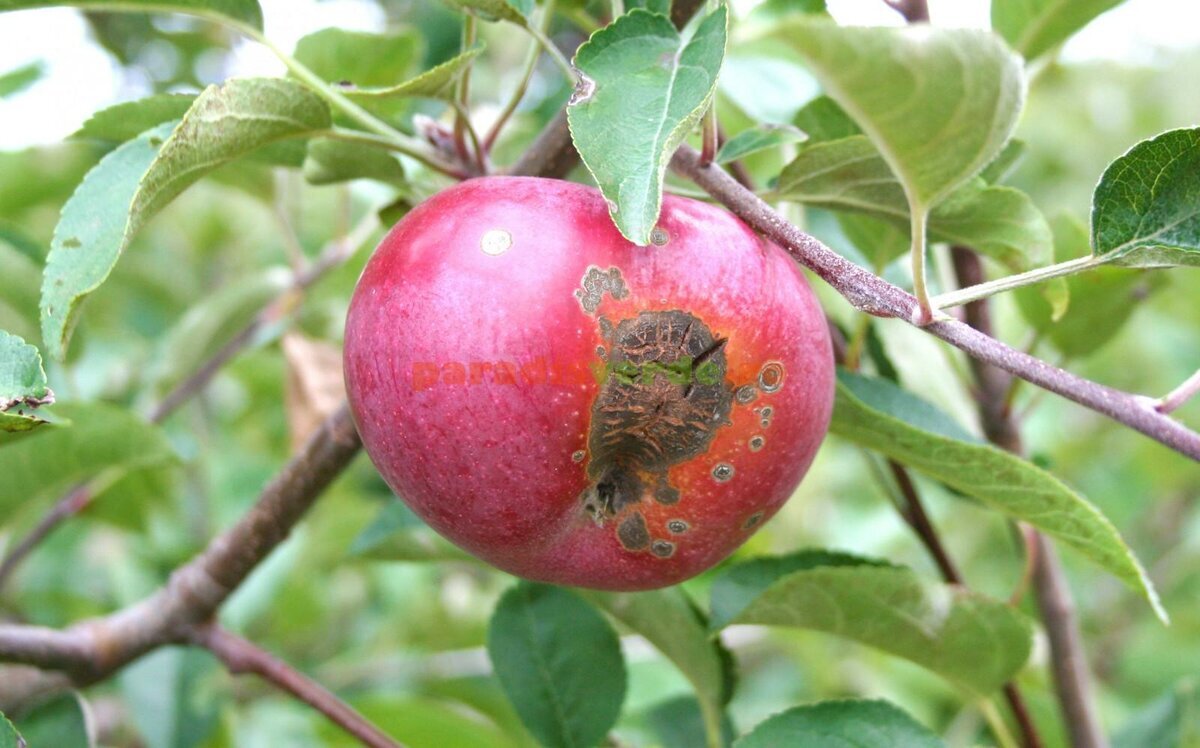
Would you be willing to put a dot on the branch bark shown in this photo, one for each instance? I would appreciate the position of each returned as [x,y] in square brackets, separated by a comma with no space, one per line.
[241,656]
[93,649]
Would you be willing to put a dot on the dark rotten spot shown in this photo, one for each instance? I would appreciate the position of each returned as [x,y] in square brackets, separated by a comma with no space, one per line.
[661,406]
[632,532]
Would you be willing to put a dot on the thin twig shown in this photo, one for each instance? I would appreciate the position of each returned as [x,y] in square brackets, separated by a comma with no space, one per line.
[917,518]
[531,58]
[1180,394]
[241,656]
[462,95]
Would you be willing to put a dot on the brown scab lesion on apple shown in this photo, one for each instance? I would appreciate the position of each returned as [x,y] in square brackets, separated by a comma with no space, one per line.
[597,282]
[663,398]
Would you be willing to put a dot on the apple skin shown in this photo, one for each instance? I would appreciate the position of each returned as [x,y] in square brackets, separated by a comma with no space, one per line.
[500,372]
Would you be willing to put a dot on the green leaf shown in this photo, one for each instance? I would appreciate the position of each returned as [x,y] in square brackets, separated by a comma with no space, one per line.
[644,88]
[22,384]
[1172,721]
[1146,208]
[823,119]
[1003,165]
[100,440]
[138,179]
[9,737]
[128,119]
[210,323]
[876,414]
[879,240]
[16,81]
[1034,27]
[172,697]
[938,103]
[415,721]
[243,12]
[433,83]
[971,640]
[670,621]
[514,11]
[757,139]
[661,7]
[842,724]
[1101,300]
[91,233]
[849,175]
[559,663]
[397,534]
[679,723]
[331,161]
[358,57]
[61,721]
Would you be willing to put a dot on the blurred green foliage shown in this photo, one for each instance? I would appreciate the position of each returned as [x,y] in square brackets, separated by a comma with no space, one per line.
[403,641]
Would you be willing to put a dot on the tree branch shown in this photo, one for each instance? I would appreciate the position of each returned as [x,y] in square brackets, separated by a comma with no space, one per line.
[873,295]
[241,656]
[93,649]
[75,501]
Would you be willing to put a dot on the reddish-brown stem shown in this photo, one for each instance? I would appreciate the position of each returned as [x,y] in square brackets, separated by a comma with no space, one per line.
[914,513]
[241,657]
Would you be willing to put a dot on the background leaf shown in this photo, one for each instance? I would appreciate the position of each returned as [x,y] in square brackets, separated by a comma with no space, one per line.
[669,620]
[137,180]
[91,234]
[514,11]
[22,384]
[1146,209]
[1172,721]
[1101,300]
[358,57]
[938,103]
[432,83]
[329,161]
[124,121]
[645,88]
[241,11]
[100,439]
[9,738]
[171,694]
[397,534]
[969,639]
[757,139]
[849,175]
[15,81]
[62,721]
[559,662]
[679,723]
[1034,27]
[866,412]
[842,724]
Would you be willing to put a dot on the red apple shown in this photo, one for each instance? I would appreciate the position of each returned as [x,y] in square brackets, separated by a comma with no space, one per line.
[573,408]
